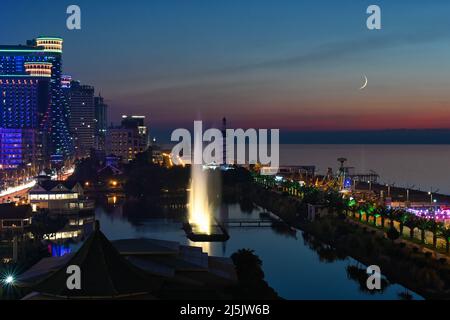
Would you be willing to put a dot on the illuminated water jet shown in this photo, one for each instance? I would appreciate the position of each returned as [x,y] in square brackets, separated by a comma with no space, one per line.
[200,210]
[202,225]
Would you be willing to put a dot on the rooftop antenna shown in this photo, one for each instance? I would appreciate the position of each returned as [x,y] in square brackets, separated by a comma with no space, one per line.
[224,143]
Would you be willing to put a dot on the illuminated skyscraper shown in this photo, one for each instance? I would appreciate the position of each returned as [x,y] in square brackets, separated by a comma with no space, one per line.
[101,122]
[82,115]
[17,147]
[66,85]
[32,96]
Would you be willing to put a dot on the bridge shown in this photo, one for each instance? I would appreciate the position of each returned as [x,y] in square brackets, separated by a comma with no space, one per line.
[248,222]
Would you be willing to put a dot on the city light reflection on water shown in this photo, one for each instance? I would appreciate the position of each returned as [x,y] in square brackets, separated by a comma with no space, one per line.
[58,249]
[292,267]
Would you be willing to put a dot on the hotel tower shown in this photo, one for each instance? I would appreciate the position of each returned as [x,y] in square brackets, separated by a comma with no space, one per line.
[33,110]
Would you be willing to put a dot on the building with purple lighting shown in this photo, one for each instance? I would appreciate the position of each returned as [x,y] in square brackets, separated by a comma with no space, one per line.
[17,147]
[32,99]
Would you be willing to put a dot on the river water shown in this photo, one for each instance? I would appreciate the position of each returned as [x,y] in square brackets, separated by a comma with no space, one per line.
[291,267]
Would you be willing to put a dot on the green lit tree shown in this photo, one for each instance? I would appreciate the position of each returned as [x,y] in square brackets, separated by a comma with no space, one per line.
[411,222]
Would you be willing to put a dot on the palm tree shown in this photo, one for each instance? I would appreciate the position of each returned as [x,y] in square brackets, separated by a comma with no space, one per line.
[423,225]
[411,222]
[434,227]
[354,209]
[401,217]
[392,234]
[375,216]
[444,232]
[364,208]
[360,212]
[338,203]
[371,213]
[391,215]
[381,211]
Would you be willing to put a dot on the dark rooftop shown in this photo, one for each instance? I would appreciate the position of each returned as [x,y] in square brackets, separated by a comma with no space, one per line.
[132,269]
[104,273]
[19,47]
[50,184]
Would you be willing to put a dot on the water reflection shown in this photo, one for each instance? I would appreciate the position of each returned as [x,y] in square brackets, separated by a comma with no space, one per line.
[297,267]
[325,252]
[359,275]
[59,250]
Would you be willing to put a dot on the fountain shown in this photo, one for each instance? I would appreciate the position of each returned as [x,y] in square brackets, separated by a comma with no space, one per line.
[202,225]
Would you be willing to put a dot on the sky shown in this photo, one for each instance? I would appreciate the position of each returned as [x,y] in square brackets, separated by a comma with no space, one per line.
[293,65]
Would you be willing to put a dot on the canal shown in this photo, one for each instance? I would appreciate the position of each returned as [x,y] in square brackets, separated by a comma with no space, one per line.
[292,266]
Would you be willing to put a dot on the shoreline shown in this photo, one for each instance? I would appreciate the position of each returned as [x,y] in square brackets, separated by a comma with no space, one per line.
[388,262]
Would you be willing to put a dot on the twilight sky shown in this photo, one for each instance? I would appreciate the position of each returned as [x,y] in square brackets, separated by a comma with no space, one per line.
[295,65]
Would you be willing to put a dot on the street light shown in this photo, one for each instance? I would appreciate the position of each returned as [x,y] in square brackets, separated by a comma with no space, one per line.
[9,280]
[408,187]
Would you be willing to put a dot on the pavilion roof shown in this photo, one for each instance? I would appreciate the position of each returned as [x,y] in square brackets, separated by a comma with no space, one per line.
[104,273]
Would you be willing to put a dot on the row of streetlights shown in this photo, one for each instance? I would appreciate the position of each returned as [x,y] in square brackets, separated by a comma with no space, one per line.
[430,193]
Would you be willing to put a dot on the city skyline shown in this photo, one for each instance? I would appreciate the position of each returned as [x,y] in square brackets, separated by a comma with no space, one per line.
[259,151]
[298,73]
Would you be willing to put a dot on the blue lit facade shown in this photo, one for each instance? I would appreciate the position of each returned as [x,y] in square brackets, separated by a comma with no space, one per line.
[17,147]
[58,249]
[66,85]
[19,105]
[32,96]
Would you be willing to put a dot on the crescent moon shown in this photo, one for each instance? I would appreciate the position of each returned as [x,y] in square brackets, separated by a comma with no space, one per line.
[365,83]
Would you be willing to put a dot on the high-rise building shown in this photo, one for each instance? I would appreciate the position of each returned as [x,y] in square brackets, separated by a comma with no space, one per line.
[82,118]
[129,139]
[101,122]
[133,121]
[31,93]
[17,147]
[23,101]
[137,122]
[66,81]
